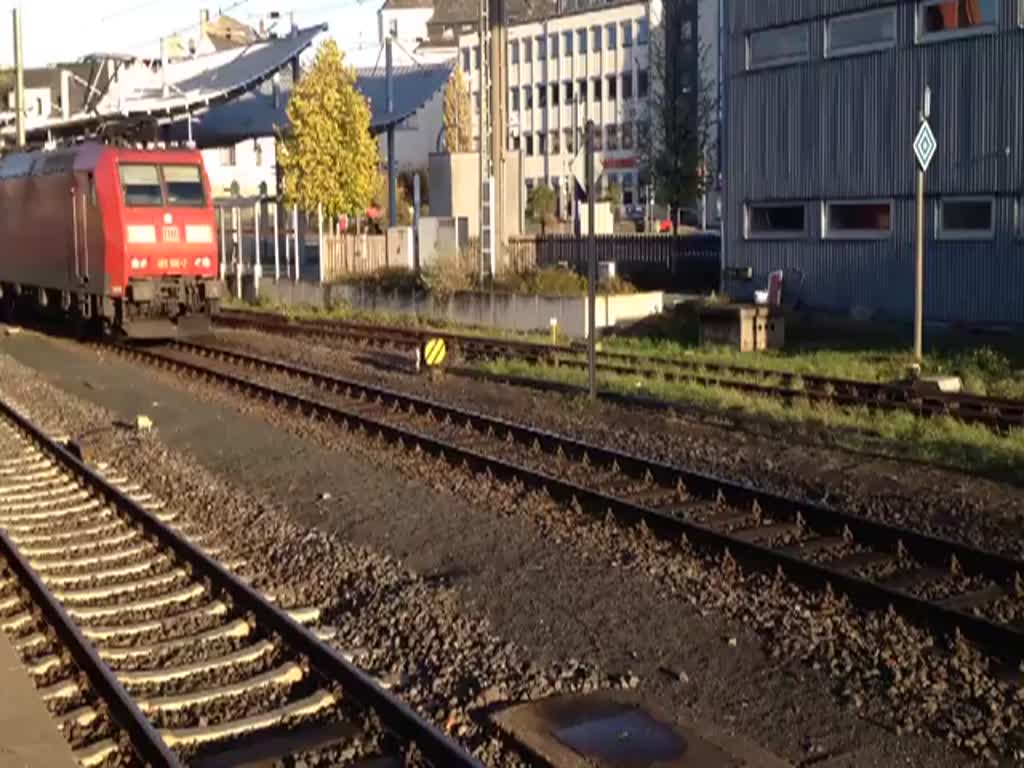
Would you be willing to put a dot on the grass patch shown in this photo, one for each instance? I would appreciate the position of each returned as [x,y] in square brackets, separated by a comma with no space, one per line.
[941,440]
[815,346]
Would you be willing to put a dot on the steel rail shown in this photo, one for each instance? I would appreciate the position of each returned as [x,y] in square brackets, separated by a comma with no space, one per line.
[997,413]
[438,748]
[1001,639]
[123,709]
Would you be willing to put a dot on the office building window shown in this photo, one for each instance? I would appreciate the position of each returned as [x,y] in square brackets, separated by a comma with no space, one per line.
[966,219]
[613,137]
[627,135]
[465,59]
[553,46]
[542,47]
[643,32]
[597,88]
[628,188]
[567,138]
[595,34]
[542,96]
[611,36]
[476,57]
[858,220]
[527,97]
[780,220]
[581,41]
[581,91]
[393,28]
[775,47]
[554,94]
[567,43]
[529,147]
[627,34]
[643,84]
[627,85]
[527,50]
[553,142]
[514,142]
[612,87]
[942,19]
[598,138]
[861,32]
[567,92]
[513,52]
[542,143]
[515,99]
[227,156]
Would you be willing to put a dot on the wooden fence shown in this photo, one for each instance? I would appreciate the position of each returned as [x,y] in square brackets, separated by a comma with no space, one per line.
[683,263]
[353,254]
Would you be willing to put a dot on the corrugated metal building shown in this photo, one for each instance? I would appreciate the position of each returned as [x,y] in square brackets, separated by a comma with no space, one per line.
[823,98]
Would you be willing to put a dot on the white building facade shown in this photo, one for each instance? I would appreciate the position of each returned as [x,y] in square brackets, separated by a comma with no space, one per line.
[592,63]
[246,169]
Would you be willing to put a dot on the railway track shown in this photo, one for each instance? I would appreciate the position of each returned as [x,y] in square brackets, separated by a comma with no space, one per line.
[997,413]
[190,662]
[943,584]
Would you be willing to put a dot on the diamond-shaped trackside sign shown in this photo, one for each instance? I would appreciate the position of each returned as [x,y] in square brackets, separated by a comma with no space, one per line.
[925,146]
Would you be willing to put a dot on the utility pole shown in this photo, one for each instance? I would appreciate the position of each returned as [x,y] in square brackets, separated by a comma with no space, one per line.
[392,176]
[19,67]
[591,178]
[499,124]
[483,143]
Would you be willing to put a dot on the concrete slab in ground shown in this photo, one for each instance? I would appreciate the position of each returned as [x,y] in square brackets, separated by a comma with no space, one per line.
[29,737]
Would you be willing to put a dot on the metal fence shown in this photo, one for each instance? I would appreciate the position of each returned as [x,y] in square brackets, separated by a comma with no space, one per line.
[682,263]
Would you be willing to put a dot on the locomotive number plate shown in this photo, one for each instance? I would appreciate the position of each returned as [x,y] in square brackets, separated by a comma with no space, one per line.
[172,235]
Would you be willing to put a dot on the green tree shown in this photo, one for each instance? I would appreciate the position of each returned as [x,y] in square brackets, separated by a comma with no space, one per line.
[678,138]
[328,156]
[540,206]
[458,120]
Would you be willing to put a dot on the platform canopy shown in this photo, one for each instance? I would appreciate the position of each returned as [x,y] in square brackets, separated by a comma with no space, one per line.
[262,112]
[139,89]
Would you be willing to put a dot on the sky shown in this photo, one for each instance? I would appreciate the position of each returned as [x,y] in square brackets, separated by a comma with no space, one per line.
[63,30]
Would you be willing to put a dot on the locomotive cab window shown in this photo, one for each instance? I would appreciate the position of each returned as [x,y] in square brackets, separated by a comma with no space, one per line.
[184,186]
[141,186]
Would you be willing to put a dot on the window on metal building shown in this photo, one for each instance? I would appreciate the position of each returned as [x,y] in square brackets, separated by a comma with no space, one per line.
[966,218]
[627,34]
[554,94]
[942,19]
[612,87]
[781,220]
[542,47]
[513,52]
[858,220]
[595,33]
[861,33]
[581,91]
[567,92]
[581,41]
[527,50]
[542,96]
[514,93]
[775,47]
[597,88]
[529,144]
[527,97]
[567,43]
[553,46]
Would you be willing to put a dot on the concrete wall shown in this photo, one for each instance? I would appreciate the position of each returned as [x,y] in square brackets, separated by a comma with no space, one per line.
[455,189]
[501,310]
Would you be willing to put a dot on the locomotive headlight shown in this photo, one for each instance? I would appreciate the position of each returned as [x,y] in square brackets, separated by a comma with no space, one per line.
[206,262]
[143,263]
[198,262]
[135,263]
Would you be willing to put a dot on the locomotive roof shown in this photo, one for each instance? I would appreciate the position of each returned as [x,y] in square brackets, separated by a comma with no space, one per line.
[81,157]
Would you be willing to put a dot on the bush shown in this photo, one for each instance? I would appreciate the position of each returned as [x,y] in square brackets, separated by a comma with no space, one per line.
[557,281]
[449,275]
[385,279]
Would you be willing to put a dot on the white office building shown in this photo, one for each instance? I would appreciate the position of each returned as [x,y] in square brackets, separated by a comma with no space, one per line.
[586,63]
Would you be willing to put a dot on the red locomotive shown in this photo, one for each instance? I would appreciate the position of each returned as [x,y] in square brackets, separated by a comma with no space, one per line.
[110,236]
